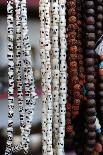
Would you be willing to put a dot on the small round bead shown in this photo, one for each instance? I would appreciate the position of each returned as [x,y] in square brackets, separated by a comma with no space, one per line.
[90,36]
[90,61]
[89,4]
[90,20]
[90,12]
[90,28]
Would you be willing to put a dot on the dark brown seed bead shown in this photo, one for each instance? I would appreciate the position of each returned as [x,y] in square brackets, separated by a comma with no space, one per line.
[90,44]
[91,102]
[90,61]
[91,127]
[90,36]
[90,12]
[100,9]
[90,78]
[91,119]
[90,86]
[89,4]
[90,70]
[90,53]
[91,94]
[99,25]
[92,141]
[100,17]
[91,111]
[90,20]
[90,28]
[92,134]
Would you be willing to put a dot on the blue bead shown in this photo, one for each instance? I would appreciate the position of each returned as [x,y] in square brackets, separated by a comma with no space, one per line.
[98,130]
[101,65]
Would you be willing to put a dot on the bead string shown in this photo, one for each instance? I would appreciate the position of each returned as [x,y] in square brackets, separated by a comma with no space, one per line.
[90,74]
[30,95]
[10,55]
[55,70]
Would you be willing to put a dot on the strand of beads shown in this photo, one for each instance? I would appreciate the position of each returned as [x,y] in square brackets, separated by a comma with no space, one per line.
[55,71]
[30,94]
[72,63]
[80,56]
[48,77]
[99,18]
[63,75]
[8,150]
[43,73]
[90,76]
[18,65]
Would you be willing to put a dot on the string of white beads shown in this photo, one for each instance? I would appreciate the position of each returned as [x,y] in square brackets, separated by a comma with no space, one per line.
[10,28]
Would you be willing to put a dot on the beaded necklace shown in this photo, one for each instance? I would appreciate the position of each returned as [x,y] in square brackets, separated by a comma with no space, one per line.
[90,74]
[73,81]
[26,114]
[53,68]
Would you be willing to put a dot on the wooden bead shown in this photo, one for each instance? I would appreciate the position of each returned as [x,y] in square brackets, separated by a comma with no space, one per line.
[90,36]
[90,28]
[90,62]
[90,12]
[90,20]
[89,4]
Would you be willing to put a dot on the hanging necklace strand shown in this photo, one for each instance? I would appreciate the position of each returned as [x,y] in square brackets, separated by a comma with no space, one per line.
[10,25]
[43,74]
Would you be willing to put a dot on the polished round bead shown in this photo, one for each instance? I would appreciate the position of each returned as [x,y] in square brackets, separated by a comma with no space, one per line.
[100,9]
[90,53]
[90,70]
[90,87]
[99,25]
[91,102]
[90,44]
[90,12]
[91,94]
[90,20]
[90,28]
[90,78]
[89,4]
[100,17]
[90,61]
[72,19]
[90,36]
[91,127]
[91,135]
